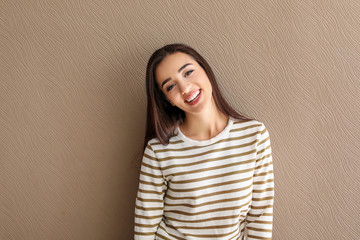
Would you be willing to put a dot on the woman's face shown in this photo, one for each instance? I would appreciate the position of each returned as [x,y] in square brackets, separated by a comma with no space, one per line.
[184,82]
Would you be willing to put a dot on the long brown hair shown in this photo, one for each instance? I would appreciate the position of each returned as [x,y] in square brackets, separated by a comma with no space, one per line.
[162,118]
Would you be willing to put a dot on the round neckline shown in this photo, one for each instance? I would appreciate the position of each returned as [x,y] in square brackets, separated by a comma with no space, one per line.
[216,138]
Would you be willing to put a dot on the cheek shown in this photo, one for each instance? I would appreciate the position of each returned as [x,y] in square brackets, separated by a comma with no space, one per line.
[199,76]
[205,80]
[170,96]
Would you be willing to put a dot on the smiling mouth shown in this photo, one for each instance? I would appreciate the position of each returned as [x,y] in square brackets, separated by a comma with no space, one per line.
[194,97]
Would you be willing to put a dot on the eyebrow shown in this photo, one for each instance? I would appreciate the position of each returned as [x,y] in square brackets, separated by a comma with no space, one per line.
[168,79]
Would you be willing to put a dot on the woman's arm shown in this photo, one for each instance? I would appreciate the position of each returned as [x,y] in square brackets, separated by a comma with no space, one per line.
[149,200]
[260,216]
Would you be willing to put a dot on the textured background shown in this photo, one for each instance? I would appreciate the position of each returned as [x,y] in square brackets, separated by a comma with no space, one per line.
[72,107]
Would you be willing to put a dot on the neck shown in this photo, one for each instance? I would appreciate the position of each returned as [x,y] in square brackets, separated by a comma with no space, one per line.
[204,126]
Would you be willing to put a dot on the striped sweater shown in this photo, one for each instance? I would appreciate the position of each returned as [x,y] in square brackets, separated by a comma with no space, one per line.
[221,188]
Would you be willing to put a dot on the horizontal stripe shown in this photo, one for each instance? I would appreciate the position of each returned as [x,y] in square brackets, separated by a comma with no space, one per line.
[174,150]
[151,175]
[213,176]
[207,160]
[150,166]
[263,141]
[211,168]
[162,237]
[206,219]
[151,192]
[241,121]
[205,235]
[211,185]
[206,203]
[262,191]
[263,199]
[263,222]
[263,131]
[263,182]
[209,194]
[257,237]
[261,207]
[207,227]
[264,165]
[245,128]
[148,208]
[192,156]
[148,200]
[212,235]
[146,225]
[258,215]
[191,189]
[144,233]
[165,238]
[150,157]
[207,211]
[148,217]
[172,235]
[151,183]
[263,150]
[263,173]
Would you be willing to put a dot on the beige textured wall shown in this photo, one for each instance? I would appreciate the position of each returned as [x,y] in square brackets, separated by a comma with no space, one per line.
[72,107]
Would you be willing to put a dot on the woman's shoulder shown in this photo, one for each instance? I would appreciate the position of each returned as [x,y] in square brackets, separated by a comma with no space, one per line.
[253,125]
[152,142]
[155,143]
[247,122]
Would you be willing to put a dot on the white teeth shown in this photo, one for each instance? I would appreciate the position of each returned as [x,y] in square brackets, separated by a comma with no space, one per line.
[193,97]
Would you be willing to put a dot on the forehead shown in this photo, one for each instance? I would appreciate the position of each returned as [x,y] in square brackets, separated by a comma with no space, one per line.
[171,64]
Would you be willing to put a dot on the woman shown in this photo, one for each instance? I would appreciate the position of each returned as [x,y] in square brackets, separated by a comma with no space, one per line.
[207,171]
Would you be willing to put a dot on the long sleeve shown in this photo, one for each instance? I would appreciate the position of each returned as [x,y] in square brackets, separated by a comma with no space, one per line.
[149,200]
[260,216]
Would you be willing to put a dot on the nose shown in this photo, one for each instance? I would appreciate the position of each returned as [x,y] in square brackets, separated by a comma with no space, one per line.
[185,87]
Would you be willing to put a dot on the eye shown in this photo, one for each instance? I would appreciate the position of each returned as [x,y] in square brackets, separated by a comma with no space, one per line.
[170,87]
[188,73]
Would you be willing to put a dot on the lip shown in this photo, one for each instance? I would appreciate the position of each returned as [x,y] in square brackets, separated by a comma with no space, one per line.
[191,94]
[196,100]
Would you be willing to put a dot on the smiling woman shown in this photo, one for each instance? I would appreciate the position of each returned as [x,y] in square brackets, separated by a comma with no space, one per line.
[207,171]
[187,86]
